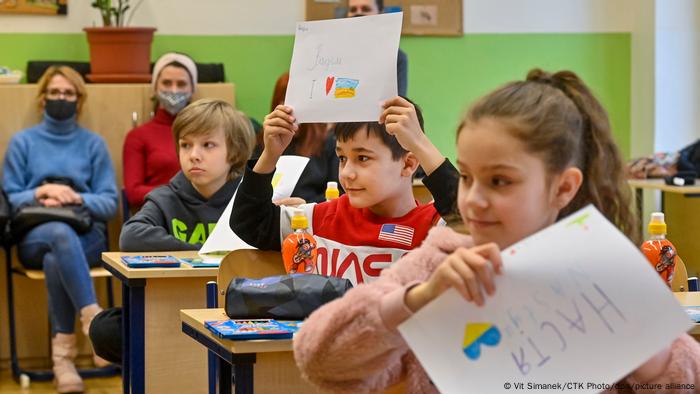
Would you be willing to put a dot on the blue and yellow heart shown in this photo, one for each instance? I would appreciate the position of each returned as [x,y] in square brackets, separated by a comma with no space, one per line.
[477,334]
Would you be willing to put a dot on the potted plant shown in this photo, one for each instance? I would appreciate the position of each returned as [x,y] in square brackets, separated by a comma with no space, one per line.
[119,53]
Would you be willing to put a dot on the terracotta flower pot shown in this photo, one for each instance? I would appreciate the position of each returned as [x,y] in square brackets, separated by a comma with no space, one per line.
[120,54]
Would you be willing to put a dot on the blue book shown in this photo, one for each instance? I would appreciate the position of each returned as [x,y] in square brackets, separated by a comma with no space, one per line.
[249,329]
[693,312]
[150,261]
[198,262]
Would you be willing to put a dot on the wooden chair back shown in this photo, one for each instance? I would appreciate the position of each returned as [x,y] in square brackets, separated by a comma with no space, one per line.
[247,263]
[680,277]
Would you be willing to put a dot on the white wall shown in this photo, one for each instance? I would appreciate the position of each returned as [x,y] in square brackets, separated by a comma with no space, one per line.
[275,17]
[546,16]
[642,79]
[677,85]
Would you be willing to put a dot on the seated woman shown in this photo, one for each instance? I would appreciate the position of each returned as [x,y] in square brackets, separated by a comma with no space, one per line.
[35,158]
[149,150]
[312,140]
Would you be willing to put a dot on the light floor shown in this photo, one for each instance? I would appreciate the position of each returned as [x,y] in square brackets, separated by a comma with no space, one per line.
[111,385]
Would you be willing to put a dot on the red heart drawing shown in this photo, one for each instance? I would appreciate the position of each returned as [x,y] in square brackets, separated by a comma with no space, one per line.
[329,84]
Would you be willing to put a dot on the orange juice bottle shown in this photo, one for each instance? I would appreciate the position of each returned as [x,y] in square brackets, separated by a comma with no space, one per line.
[299,248]
[658,250]
[332,191]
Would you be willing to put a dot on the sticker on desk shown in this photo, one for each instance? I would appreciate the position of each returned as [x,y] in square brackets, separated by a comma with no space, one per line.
[559,306]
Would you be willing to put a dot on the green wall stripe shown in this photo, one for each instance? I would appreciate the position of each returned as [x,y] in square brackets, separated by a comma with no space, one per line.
[445,74]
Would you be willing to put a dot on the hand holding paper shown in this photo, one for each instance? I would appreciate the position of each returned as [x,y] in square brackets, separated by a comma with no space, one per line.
[465,270]
[223,239]
[559,308]
[278,130]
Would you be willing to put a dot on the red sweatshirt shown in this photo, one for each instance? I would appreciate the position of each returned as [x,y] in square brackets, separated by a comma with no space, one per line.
[150,159]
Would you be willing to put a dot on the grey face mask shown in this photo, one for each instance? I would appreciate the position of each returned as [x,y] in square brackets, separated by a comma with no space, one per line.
[173,102]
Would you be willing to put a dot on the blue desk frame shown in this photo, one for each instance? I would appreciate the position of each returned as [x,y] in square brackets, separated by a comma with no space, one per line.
[240,365]
[133,337]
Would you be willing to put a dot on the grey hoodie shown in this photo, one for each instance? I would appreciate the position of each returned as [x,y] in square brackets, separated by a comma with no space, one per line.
[175,217]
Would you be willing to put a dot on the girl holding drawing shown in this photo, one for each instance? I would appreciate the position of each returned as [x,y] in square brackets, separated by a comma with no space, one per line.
[529,153]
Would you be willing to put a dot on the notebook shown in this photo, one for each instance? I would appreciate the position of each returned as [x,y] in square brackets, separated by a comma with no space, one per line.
[250,329]
[150,261]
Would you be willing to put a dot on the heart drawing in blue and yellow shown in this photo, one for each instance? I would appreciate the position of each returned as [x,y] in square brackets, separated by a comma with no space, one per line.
[477,334]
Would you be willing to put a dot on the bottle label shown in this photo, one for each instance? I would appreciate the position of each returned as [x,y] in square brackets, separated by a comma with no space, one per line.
[299,253]
[662,256]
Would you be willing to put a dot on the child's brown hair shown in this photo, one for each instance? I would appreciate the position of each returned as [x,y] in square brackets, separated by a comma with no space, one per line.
[205,115]
[557,118]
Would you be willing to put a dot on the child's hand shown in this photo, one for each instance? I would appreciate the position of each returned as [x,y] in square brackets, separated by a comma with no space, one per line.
[290,201]
[467,270]
[402,122]
[279,129]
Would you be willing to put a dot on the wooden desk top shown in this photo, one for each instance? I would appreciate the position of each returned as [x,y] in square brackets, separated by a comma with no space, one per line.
[658,184]
[195,318]
[114,260]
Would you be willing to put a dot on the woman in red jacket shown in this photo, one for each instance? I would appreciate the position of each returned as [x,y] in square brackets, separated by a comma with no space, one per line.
[149,150]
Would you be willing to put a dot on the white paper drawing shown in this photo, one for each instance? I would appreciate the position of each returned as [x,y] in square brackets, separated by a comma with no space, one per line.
[287,174]
[343,69]
[577,302]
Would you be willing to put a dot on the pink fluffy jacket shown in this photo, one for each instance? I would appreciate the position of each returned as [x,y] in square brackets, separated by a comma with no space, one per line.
[351,345]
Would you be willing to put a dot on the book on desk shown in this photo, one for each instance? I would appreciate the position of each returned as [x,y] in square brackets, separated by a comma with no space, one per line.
[243,329]
[151,261]
[693,312]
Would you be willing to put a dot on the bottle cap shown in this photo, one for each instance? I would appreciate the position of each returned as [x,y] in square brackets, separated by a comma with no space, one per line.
[332,190]
[299,220]
[657,225]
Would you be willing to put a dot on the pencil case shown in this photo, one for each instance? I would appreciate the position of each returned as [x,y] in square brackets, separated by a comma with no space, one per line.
[284,297]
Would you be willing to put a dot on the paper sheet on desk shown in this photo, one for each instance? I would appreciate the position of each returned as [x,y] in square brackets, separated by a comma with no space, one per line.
[577,302]
[223,239]
[343,69]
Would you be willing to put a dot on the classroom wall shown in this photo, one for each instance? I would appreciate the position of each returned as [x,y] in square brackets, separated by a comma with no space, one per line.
[445,74]
[503,39]
[677,82]
[274,17]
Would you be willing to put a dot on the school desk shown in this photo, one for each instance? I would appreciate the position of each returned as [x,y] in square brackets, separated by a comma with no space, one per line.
[156,357]
[690,298]
[260,366]
[681,207]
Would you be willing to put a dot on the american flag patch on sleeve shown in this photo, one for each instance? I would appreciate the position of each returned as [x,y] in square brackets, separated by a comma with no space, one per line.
[397,233]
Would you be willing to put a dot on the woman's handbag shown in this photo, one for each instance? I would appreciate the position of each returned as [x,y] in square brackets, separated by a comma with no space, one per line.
[286,297]
[28,216]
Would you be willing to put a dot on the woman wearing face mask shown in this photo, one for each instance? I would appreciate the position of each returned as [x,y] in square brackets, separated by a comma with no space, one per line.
[59,147]
[149,150]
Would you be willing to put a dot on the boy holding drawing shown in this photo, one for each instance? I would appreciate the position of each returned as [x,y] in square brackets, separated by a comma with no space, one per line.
[377,220]
[529,153]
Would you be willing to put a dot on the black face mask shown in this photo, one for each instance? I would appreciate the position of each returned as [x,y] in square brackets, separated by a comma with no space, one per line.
[61,109]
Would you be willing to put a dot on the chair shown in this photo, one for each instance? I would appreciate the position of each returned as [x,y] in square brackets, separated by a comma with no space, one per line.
[25,376]
[248,263]
[680,277]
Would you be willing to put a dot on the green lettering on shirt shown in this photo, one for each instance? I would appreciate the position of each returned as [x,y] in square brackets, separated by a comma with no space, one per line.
[179,230]
[198,235]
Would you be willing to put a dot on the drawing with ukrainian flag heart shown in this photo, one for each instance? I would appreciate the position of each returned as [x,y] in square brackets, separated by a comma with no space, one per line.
[477,334]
